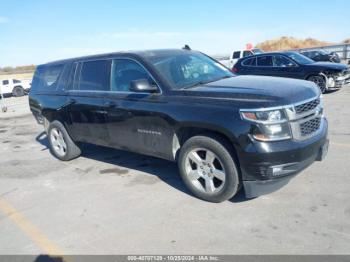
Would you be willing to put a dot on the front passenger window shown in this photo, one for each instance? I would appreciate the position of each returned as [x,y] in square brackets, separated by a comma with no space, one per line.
[281,61]
[124,71]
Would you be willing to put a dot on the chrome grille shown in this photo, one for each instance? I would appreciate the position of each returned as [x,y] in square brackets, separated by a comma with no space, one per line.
[311,126]
[300,109]
[306,119]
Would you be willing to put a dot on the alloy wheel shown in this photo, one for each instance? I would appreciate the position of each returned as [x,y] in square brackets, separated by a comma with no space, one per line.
[205,170]
[57,141]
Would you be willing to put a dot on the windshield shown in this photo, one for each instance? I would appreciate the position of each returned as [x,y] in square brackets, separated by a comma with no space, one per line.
[300,59]
[322,52]
[186,70]
[257,51]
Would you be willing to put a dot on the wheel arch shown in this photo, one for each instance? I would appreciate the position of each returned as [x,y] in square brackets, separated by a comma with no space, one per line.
[17,86]
[316,74]
[184,132]
[53,115]
[322,74]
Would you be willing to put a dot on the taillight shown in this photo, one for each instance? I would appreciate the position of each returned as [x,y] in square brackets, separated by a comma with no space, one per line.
[234,69]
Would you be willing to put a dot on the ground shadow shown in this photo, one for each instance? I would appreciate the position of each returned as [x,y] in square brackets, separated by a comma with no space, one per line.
[166,171]
[42,139]
[331,91]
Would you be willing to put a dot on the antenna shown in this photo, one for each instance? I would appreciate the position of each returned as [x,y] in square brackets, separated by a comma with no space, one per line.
[187,47]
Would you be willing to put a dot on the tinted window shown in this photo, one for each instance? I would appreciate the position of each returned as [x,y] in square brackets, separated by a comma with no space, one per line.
[15,81]
[236,54]
[5,82]
[67,76]
[247,53]
[249,62]
[95,75]
[264,60]
[46,77]
[281,61]
[124,71]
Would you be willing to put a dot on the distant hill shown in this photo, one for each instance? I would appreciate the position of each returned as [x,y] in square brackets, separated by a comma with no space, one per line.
[285,43]
[17,70]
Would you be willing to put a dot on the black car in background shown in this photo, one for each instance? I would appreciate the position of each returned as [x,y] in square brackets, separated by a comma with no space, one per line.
[294,65]
[322,56]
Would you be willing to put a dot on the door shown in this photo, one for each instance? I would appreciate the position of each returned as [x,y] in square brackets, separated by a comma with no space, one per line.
[86,103]
[284,67]
[135,120]
[264,66]
[5,87]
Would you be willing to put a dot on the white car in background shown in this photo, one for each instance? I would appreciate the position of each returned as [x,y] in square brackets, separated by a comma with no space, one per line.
[235,55]
[14,86]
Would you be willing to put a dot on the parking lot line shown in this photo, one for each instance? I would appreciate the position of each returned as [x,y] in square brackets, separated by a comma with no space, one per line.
[340,144]
[29,229]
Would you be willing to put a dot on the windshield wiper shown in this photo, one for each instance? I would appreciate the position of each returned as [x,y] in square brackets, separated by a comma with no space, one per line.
[205,82]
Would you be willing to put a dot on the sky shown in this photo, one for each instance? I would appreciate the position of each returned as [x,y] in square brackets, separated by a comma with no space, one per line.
[39,31]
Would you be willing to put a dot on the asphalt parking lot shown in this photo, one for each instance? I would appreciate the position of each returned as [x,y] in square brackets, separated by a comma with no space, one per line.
[114,202]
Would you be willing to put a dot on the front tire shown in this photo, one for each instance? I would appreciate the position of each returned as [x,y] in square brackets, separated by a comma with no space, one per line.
[61,144]
[18,91]
[208,169]
[320,81]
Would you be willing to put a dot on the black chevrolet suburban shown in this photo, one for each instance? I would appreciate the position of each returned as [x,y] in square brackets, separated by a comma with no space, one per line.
[224,131]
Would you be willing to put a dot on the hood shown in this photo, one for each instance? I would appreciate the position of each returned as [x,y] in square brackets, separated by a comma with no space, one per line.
[258,91]
[329,65]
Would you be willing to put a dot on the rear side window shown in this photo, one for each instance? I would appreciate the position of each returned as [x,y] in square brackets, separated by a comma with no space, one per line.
[265,61]
[95,75]
[236,55]
[249,62]
[46,77]
[5,82]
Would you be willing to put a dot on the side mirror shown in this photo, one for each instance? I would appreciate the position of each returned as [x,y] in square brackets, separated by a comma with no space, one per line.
[142,85]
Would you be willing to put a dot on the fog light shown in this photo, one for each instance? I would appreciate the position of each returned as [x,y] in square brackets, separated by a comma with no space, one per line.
[281,170]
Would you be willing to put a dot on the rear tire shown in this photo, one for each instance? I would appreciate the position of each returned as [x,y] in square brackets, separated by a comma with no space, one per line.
[320,81]
[208,169]
[61,144]
[18,91]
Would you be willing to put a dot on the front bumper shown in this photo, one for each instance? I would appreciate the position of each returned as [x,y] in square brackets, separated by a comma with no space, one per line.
[266,167]
[340,81]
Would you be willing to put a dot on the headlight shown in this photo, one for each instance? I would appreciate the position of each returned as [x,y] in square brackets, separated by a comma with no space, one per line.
[270,125]
[265,116]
